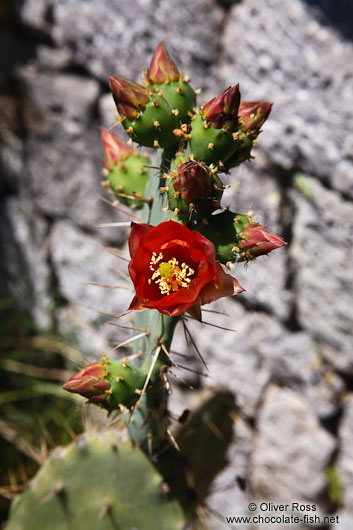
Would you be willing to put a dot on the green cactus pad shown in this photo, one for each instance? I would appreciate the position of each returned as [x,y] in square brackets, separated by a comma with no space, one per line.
[144,129]
[130,178]
[98,482]
[126,381]
[181,96]
[210,145]
[243,151]
[224,231]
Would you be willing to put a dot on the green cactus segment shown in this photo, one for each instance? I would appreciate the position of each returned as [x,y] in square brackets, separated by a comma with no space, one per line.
[92,484]
[224,230]
[197,209]
[208,144]
[180,96]
[129,179]
[153,126]
[243,151]
[126,382]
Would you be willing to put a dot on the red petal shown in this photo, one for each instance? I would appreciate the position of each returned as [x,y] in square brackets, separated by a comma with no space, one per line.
[137,233]
[225,285]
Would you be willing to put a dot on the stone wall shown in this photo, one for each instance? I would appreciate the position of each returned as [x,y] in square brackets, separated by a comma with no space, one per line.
[290,364]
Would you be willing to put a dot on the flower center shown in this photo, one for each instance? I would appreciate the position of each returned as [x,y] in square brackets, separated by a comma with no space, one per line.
[169,275]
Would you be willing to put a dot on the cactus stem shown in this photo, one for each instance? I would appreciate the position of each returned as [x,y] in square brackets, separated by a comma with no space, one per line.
[153,363]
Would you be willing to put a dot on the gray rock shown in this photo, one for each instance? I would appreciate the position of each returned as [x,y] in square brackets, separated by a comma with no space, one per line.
[261,350]
[286,463]
[253,189]
[63,151]
[36,14]
[25,274]
[322,256]
[284,55]
[78,261]
[118,40]
[345,456]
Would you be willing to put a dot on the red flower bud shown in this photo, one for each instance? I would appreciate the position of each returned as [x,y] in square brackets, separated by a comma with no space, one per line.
[89,382]
[162,68]
[222,111]
[253,114]
[129,97]
[174,269]
[115,150]
[193,181]
[256,240]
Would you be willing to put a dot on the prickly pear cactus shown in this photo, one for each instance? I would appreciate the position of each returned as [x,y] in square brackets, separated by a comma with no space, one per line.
[99,482]
[176,257]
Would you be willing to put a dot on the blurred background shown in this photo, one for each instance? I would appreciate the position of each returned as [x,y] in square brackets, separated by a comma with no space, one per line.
[290,364]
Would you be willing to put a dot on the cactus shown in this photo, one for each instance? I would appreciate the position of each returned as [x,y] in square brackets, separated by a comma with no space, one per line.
[237,237]
[126,170]
[110,383]
[92,484]
[166,80]
[175,267]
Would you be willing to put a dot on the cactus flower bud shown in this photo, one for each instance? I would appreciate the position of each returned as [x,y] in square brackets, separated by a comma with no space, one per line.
[90,382]
[255,240]
[237,237]
[222,111]
[108,383]
[253,114]
[162,68]
[129,97]
[193,181]
[115,150]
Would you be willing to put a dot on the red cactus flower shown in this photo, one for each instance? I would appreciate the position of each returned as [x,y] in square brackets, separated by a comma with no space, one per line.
[256,240]
[253,114]
[193,181]
[162,68]
[222,111]
[89,382]
[115,150]
[129,97]
[174,269]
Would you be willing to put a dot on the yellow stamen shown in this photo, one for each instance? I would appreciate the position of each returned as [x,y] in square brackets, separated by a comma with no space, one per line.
[170,276]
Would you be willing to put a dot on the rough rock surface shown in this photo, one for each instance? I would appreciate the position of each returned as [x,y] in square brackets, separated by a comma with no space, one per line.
[322,234]
[345,457]
[286,464]
[290,362]
[286,55]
